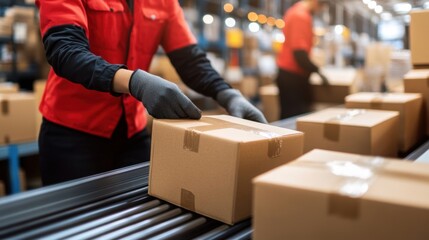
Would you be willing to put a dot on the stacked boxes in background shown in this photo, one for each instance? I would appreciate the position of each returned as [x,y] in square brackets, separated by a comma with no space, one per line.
[8,87]
[2,189]
[409,106]
[370,132]
[269,95]
[331,195]
[417,81]
[206,166]
[17,118]
[39,88]
[342,82]
[419,38]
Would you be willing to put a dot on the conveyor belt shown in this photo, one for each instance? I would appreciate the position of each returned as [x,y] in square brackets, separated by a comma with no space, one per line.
[107,206]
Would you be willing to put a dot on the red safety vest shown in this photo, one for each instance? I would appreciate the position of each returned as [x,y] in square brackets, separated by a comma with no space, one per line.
[298,33]
[120,37]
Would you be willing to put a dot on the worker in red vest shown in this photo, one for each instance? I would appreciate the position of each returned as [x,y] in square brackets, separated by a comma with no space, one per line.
[100,51]
[294,62]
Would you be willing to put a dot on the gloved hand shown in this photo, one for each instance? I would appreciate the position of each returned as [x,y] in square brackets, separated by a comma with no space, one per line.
[238,106]
[161,98]
[325,81]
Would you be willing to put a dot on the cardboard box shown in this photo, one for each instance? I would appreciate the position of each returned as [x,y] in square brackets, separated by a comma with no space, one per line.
[409,106]
[39,89]
[419,37]
[270,102]
[8,87]
[360,131]
[248,86]
[417,81]
[2,189]
[17,118]
[336,196]
[207,165]
[342,82]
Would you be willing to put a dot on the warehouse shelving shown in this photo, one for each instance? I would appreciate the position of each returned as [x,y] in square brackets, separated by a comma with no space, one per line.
[12,153]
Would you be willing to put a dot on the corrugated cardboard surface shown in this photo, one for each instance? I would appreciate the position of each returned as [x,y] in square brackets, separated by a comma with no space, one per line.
[342,82]
[207,167]
[417,81]
[7,87]
[270,102]
[39,89]
[409,106]
[2,189]
[419,37]
[331,195]
[17,118]
[358,131]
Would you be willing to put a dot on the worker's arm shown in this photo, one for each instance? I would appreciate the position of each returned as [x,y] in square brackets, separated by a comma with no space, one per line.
[303,60]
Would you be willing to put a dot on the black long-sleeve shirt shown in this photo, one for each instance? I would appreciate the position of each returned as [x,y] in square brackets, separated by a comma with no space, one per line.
[68,52]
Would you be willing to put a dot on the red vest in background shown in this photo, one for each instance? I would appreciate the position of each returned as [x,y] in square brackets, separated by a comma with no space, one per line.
[298,32]
[120,37]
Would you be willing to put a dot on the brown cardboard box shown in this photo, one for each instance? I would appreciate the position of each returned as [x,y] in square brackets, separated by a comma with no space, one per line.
[8,87]
[419,37]
[248,86]
[17,118]
[371,132]
[39,88]
[2,189]
[409,106]
[417,81]
[6,27]
[161,66]
[342,82]
[270,102]
[336,196]
[206,166]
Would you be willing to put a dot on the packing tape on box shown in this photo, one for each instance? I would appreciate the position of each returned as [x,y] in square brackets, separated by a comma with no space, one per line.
[356,177]
[331,128]
[187,199]
[4,106]
[191,139]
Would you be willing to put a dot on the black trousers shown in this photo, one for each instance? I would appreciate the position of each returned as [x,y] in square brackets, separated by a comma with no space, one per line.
[67,154]
[295,95]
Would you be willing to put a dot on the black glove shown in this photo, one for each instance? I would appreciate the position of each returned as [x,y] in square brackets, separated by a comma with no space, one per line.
[161,98]
[238,106]
[325,81]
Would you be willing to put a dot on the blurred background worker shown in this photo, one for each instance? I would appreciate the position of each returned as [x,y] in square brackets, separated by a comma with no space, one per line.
[294,62]
[94,120]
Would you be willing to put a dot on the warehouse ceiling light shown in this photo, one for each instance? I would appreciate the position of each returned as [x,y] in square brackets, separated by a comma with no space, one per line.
[386,16]
[366,1]
[280,23]
[252,16]
[378,9]
[254,27]
[402,7]
[271,21]
[339,29]
[262,19]
[230,22]
[228,7]
[208,19]
[372,4]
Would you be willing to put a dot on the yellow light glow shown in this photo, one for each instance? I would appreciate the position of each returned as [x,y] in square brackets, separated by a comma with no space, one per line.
[228,7]
[262,19]
[280,23]
[252,16]
[271,21]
